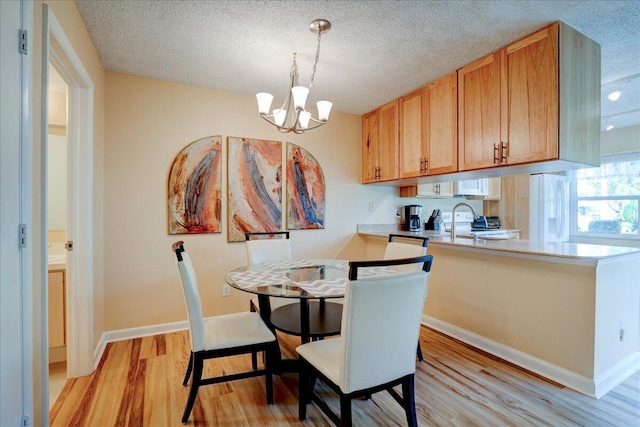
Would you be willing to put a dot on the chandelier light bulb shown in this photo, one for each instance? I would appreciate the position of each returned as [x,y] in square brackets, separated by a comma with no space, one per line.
[304,119]
[279,115]
[299,94]
[324,108]
[609,127]
[264,102]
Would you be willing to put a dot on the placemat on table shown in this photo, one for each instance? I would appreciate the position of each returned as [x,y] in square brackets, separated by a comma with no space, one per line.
[254,278]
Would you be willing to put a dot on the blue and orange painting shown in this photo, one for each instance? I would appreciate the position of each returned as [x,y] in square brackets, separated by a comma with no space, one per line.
[305,190]
[254,189]
[195,203]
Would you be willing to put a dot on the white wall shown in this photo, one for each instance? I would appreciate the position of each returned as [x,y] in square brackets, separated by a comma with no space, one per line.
[57,182]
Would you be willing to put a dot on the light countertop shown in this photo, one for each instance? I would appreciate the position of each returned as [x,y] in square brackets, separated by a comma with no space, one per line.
[514,246]
[57,262]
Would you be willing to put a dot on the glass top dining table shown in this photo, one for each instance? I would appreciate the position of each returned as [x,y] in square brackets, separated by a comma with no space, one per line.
[300,279]
[312,283]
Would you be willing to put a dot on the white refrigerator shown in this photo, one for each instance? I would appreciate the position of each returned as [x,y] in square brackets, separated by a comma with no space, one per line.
[548,208]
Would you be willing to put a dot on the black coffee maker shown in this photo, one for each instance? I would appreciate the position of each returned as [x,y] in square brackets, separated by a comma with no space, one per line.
[413,218]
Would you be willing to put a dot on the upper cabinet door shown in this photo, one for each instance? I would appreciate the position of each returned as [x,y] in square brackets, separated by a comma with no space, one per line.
[388,143]
[479,94]
[370,146]
[532,105]
[412,151]
[440,125]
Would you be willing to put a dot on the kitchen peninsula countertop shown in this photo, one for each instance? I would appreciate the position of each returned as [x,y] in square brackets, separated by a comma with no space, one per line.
[568,251]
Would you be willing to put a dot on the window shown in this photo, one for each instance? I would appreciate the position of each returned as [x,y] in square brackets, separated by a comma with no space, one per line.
[605,200]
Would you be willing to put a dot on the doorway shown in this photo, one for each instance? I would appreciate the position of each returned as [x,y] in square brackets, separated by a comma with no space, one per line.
[78,295]
[57,202]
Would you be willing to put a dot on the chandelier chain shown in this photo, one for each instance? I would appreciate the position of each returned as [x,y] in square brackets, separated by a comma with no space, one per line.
[317,59]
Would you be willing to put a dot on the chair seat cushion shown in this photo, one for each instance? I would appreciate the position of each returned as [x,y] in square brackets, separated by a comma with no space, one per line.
[324,355]
[235,330]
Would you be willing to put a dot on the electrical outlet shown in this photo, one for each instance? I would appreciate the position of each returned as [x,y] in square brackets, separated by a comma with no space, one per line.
[622,332]
[371,207]
[226,290]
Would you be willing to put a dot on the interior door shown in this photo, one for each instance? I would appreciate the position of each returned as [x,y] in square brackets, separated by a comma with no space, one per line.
[15,289]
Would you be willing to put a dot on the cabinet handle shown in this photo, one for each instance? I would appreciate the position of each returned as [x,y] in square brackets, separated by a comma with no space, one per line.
[421,164]
[504,152]
[426,165]
[495,154]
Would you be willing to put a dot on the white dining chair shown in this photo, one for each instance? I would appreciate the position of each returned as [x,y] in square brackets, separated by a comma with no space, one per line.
[220,336]
[407,246]
[265,247]
[376,348]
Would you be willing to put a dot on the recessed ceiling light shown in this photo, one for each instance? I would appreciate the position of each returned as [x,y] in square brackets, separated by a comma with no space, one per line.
[613,96]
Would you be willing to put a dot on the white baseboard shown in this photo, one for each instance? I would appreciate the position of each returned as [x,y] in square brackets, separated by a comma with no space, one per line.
[617,374]
[592,388]
[131,333]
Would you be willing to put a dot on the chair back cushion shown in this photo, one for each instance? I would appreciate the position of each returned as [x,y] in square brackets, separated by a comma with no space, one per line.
[396,250]
[192,300]
[268,250]
[380,329]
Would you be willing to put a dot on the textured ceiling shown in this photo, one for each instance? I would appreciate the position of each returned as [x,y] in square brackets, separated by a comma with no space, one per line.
[375,52]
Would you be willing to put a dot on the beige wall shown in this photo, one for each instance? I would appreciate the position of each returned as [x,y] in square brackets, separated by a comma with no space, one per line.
[147,123]
[69,18]
[57,108]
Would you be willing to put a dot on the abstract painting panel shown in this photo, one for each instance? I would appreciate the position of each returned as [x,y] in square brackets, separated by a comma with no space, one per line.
[195,186]
[305,190]
[254,199]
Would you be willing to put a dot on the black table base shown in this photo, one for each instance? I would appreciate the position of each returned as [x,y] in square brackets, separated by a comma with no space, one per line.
[324,319]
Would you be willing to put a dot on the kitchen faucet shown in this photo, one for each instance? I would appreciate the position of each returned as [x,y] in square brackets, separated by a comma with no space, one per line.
[453,217]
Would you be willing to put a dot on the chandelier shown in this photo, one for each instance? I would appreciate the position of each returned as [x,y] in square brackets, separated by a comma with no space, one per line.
[292,116]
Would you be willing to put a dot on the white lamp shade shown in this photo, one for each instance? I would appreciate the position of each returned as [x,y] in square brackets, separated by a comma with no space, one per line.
[299,96]
[264,102]
[303,118]
[324,108]
[279,115]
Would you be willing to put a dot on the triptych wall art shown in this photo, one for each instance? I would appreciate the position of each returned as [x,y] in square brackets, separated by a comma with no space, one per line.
[254,188]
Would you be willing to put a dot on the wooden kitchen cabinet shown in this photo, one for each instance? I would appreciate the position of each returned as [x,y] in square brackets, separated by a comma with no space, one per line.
[57,309]
[428,129]
[479,112]
[508,102]
[380,144]
[438,190]
[495,187]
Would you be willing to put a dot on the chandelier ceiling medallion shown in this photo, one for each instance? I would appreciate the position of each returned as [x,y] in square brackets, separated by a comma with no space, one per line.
[292,115]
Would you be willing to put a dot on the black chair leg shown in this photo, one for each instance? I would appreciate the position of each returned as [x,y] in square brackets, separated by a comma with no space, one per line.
[269,359]
[254,355]
[311,380]
[189,368]
[409,401]
[303,390]
[419,352]
[345,411]
[195,384]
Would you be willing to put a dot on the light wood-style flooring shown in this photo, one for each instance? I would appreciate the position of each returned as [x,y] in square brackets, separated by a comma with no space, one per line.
[139,383]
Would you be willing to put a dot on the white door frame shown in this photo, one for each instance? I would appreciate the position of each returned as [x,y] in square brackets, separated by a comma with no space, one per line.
[57,48]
